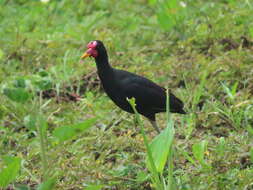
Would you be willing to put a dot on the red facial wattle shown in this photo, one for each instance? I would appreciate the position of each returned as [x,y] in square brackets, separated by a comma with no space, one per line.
[91,50]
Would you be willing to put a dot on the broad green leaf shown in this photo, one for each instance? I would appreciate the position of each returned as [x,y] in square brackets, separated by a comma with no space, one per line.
[20,83]
[164,20]
[43,73]
[10,172]
[30,122]
[161,147]
[67,132]
[142,176]
[17,94]
[234,88]
[47,185]
[152,2]
[94,187]
[198,150]
[44,84]
[172,4]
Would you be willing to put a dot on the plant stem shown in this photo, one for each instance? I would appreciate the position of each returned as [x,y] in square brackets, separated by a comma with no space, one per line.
[150,157]
[41,127]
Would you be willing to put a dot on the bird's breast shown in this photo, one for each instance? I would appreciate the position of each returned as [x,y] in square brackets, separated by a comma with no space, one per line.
[118,97]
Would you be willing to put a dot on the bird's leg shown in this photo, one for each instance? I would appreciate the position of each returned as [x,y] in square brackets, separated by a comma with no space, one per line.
[154,124]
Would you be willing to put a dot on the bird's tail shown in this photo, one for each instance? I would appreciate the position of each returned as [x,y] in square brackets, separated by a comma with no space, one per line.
[176,105]
[182,111]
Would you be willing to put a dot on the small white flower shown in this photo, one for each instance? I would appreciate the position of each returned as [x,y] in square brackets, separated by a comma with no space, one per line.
[183,4]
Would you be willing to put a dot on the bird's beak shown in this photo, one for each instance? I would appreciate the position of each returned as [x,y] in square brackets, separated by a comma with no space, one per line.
[85,55]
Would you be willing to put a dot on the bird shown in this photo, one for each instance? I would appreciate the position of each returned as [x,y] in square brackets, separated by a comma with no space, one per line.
[119,85]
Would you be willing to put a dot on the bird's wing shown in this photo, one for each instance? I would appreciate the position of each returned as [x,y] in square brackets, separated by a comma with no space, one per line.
[146,93]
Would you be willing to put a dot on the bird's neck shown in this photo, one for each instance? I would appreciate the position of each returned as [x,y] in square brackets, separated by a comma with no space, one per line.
[103,66]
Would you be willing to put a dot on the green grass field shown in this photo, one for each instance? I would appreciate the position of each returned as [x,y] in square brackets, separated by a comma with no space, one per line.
[59,130]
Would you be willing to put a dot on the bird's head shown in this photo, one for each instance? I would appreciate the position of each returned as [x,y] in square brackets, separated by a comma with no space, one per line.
[94,49]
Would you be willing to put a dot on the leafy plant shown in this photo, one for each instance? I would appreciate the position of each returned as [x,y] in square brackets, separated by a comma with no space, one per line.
[93,187]
[170,13]
[11,170]
[199,150]
[231,92]
[161,147]
[159,152]
[17,94]
[47,185]
[67,132]
[221,147]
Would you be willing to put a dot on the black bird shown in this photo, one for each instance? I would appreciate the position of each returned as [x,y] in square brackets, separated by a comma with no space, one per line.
[119,85]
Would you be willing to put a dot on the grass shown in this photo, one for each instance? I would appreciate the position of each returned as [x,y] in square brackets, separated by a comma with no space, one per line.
[202,51]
